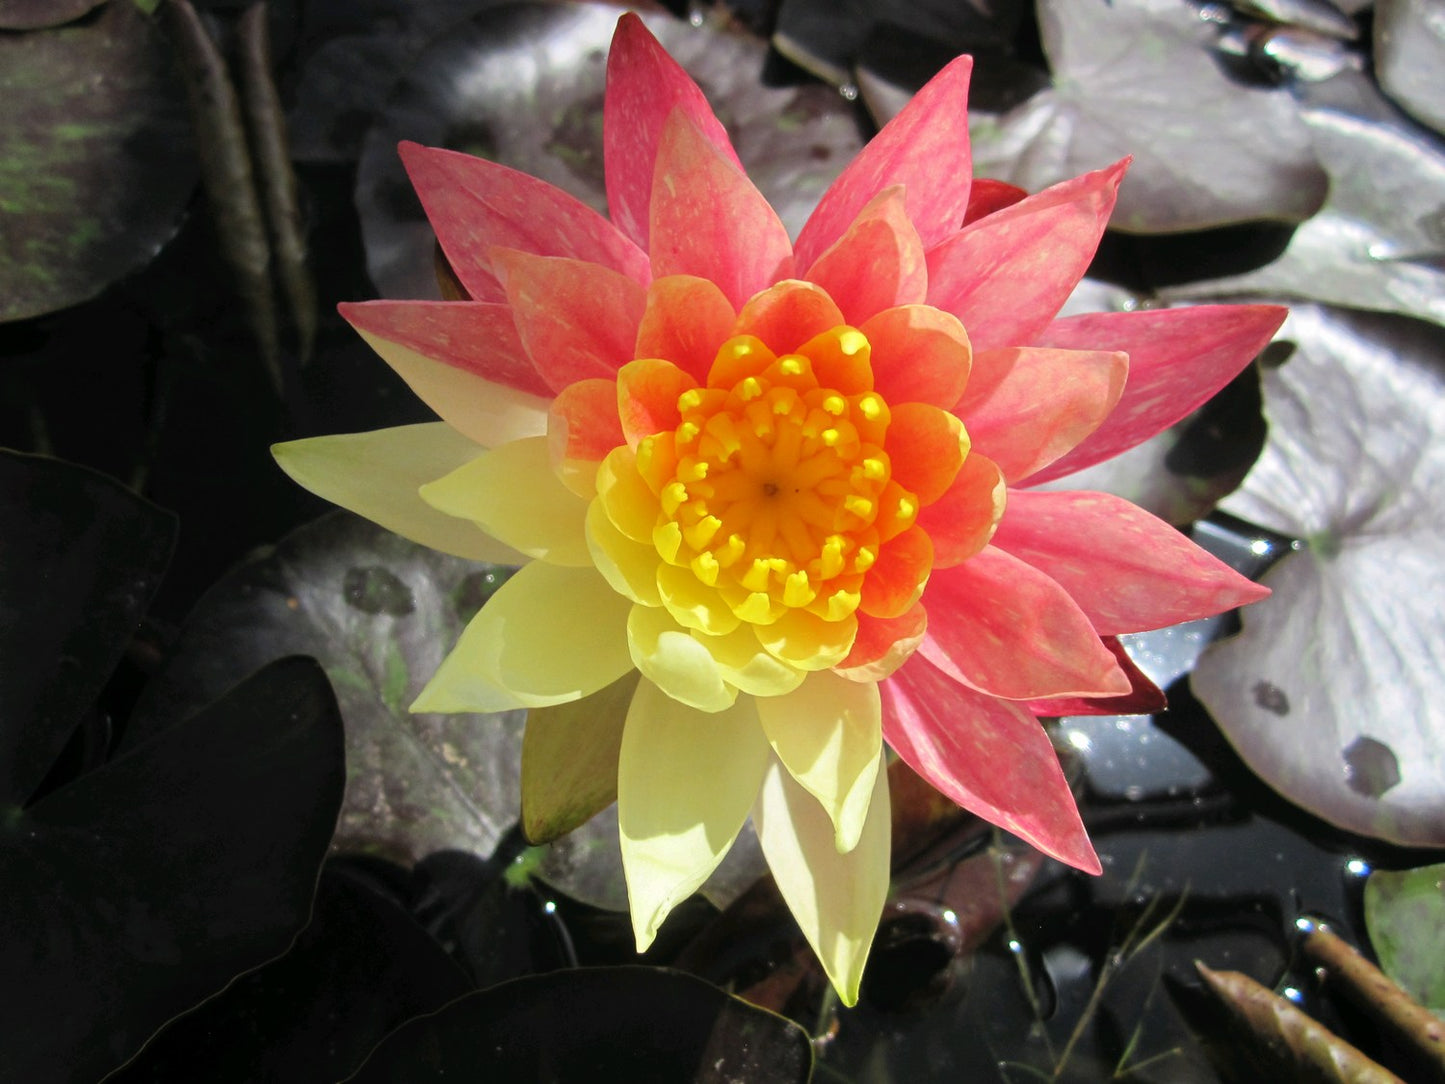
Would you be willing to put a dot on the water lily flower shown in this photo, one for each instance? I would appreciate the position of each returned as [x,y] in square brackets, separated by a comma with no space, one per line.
[773,499]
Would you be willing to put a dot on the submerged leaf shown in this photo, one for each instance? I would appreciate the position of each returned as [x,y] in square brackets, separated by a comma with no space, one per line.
[1288,1039]
[1207,153]
[1329,693]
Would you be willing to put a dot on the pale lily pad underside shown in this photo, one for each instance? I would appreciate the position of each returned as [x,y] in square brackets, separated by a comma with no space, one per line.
[1331,691]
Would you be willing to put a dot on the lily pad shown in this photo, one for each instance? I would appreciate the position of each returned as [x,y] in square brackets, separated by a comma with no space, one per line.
[36,14]
[1379,240]
[359,969]
[148,884]
[618,1023]
[522,83]
[1208,152]
[1405,915]
[1409,55]
[96,163]
[1330,693]
[378,613]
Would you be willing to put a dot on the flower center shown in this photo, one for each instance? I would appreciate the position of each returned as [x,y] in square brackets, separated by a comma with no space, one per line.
[774,487]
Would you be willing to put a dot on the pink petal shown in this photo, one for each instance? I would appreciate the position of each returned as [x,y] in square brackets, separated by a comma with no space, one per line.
[472,335]
[576,320]
[925,149]
[919,355]
[475,205]
[1127,570]
[1004,628]
[991,757]
[583,426]
[1144,698]
[1025,407]
[1178,358]
[709,220]
[987,196]
[686,320]
[787,315]
[878,264]
[644,87]
[1006,275]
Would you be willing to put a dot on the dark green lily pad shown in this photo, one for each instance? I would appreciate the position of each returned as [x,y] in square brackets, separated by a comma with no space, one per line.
[360,968]
[1405,916]
[148,884]
[96,163]
[1209,152]
[623,1023]
[379,613]
[37,14]
[82,557]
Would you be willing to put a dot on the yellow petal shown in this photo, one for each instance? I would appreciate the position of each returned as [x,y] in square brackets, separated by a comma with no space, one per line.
[828,734]
[670,657]
[692,603]
[808,641]
[378,474]
[489,413]
[685,782]
[630,567]
[836,898]
[632,507]
[569,760]
[745,663]
[513,493]
[548,636]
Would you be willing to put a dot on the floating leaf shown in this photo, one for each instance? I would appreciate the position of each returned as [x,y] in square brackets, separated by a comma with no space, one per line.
[1409,56]
[80,558]
[95,158]
[522,85]
[35,14]
[618,1023]
[1206,153]
[1329,694]
[379,613]
[1379,240]
[148,884]
[1405,914]
[360,968]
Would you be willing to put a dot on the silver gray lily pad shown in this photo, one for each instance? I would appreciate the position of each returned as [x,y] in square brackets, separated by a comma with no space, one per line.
[1137,77]
[1331,693]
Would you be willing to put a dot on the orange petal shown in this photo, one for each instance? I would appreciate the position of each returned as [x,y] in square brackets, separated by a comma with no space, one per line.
[963,520]
[919,354]
[927,446]
[647,391]
[582,427]
[1026,407]
[883,644]
[685,321]
[576,319]
[709,220]
[895,582]
[787,315]
[878,264]
[840,360]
